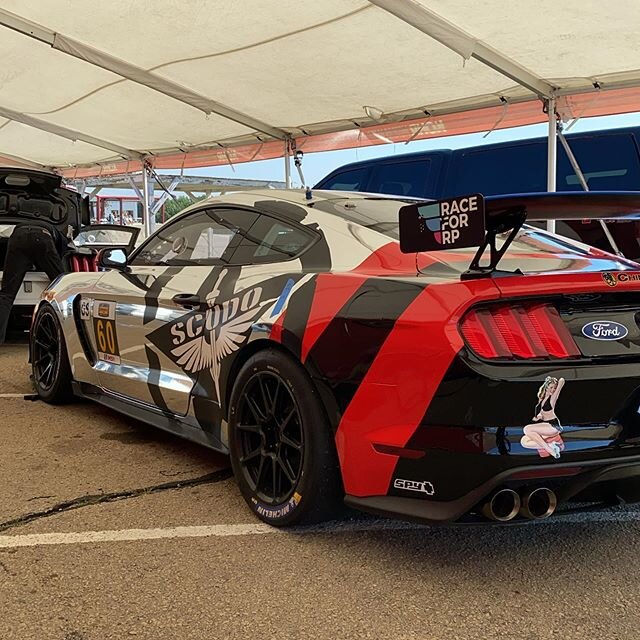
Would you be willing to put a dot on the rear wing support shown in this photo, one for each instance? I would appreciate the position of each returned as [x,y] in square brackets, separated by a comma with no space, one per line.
[510,221]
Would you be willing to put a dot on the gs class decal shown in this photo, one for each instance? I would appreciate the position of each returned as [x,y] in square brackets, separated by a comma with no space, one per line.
[85,308]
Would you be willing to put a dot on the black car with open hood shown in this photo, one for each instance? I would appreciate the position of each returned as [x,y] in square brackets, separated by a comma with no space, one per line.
[31,195]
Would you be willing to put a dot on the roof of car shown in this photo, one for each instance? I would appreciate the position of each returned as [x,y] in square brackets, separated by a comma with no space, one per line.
[299,196]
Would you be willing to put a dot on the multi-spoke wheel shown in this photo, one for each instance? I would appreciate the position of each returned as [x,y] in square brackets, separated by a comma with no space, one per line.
[271,439]
[49,360]
[281,447]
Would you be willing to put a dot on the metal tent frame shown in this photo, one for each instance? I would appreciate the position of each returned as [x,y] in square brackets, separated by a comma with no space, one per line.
[410,12]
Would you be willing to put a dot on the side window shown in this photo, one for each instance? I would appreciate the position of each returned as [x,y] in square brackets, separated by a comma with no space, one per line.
[401,178]
[271,240]
[354,180]
[200,238]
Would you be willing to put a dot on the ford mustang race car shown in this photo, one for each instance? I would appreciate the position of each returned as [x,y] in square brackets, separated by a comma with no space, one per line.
[438,361]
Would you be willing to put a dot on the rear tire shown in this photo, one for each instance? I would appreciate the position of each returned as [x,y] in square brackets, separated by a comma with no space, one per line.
[282,449]
[49,359]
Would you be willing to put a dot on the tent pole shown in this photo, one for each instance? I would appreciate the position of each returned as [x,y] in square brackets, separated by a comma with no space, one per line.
[583,182]
[552,154]
[146,202]
[287,165]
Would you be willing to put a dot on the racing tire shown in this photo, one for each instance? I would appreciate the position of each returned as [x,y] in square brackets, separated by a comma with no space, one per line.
[51,371]
[281,447]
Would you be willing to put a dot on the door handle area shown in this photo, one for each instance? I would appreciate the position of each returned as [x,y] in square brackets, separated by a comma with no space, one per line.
[187,300]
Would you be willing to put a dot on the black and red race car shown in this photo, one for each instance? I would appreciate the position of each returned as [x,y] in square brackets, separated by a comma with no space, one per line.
[434,361]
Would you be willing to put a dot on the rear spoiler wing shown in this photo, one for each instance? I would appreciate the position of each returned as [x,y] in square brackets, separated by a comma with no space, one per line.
[473,221]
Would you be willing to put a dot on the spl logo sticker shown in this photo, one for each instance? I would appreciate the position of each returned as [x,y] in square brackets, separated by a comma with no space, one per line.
[414,485]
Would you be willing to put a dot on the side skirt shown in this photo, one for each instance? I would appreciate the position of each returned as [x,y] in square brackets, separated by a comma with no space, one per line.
[184,427]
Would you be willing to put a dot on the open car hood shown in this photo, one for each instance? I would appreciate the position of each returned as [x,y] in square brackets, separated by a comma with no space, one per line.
[26,194]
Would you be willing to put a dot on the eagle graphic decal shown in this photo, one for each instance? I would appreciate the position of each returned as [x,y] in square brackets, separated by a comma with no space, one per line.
[201,339]
[207,350]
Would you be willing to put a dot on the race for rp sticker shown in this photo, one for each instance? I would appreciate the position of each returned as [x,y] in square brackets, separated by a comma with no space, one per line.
[447,224]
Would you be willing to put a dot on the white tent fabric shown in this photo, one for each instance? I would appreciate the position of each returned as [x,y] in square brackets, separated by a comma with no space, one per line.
[98,84]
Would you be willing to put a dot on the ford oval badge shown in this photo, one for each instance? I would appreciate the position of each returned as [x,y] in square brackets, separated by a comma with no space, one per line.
[605,330]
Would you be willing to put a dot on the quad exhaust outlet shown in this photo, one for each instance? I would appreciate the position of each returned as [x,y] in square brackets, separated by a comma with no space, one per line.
[534,504]
[504,505]
[538,504]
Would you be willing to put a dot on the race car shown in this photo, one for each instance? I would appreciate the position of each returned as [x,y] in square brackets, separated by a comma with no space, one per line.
[434,361]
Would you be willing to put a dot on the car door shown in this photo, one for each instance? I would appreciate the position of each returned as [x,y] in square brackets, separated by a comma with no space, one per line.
[165,284]
[189,299]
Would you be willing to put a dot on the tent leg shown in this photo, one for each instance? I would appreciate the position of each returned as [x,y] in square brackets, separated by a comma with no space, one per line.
[287,165]
[148,216]
[552,154]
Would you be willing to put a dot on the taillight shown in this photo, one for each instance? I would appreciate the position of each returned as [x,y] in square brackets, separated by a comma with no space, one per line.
[515,332]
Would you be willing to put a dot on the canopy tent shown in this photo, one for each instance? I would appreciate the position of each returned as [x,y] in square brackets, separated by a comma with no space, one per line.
[92,88]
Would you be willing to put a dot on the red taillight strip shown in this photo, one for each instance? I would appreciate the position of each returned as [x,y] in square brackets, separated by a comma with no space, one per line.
[560,341]
[476,335]
[518,331]
[535,339]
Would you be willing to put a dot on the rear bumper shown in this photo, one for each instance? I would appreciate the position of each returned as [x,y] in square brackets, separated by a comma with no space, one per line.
[594,482]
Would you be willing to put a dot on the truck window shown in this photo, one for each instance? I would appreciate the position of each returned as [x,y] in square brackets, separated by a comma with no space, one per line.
[354,180]
[608,162]
[519,168]
[401,178]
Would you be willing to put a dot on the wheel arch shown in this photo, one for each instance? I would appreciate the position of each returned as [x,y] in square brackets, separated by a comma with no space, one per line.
[260,344]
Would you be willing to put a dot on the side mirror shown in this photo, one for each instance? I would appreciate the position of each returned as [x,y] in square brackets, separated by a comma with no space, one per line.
[112,259]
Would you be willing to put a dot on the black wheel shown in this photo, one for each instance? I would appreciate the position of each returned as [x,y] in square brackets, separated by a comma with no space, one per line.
[49,360]
[282,449]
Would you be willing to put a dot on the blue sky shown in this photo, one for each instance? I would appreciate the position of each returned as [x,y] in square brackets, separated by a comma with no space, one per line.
[317,165]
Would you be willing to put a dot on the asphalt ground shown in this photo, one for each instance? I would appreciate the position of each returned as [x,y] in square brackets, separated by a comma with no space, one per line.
[111,529]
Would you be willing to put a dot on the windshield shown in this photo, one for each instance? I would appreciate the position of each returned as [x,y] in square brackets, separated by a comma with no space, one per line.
[103,237]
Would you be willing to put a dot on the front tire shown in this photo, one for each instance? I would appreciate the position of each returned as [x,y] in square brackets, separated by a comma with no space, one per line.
[49,360]
[282,449]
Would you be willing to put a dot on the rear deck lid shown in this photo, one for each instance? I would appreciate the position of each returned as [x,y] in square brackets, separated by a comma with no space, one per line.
[600,309]
[26,194]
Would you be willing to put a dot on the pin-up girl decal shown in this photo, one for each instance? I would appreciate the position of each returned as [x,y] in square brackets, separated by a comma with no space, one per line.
[544,431]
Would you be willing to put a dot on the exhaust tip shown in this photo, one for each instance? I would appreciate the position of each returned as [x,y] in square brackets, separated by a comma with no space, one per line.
[538,504]
[503,506]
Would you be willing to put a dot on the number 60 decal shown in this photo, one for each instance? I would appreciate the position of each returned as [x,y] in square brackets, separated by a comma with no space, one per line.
[104,327]
[106,336]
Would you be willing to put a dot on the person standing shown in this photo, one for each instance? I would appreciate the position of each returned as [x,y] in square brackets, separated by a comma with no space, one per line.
[33,243]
